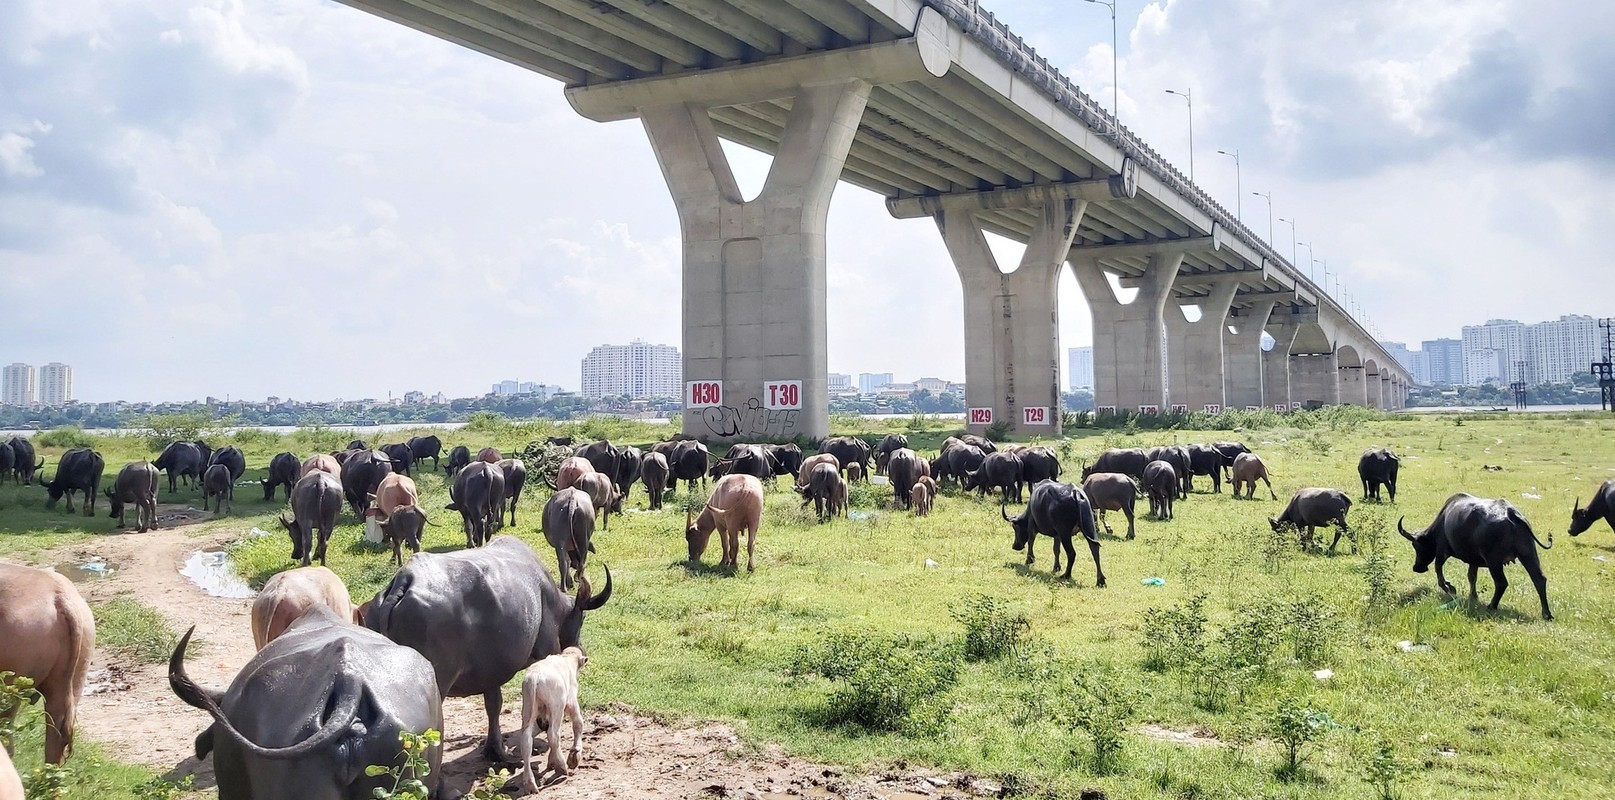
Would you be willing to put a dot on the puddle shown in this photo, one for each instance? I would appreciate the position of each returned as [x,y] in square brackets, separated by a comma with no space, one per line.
[213,572]
[86,572]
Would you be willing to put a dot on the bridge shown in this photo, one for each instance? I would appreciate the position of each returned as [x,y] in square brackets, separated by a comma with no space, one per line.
[937,106]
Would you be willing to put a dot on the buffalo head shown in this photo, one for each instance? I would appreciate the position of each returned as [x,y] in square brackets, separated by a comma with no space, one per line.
[694,536]
[1424,547]
[1580,519]
[1022,525]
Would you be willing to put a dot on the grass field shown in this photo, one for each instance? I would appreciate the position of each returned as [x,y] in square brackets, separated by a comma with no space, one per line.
[1499,704]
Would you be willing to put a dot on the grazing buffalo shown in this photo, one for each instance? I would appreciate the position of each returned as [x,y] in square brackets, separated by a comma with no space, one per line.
[283,471]
[736,503]
[361,476]
[1161,484]
[922,493]
[312,709]
[572,468]
[181,460]
[49,636]
[515,471]
[232,459]
[490,455]
[216,486]
[1602,507]
[357,444]
[653,473]
[1480,533]
[1178,457]
[473,496]
[847,450]
[890,443]
[424,447]
[903,466]
[627,471]
[136,485]
[1229,451]
[1111,491]
[688,462]
[22,455]
[1057,510]
[320,462]
[999,470]
[559,441]
[458,458]
[787,458]
[1248,467]
[1310,508]
[207,456]
[287,595]
[480,617]
[821,481]
[1205,460]
[956,461]
[744,459]
[855,472]
[316,500]
[601,455]
[812,463]
[1038,463]
[982,442]
[78,470]
[603,494]
[401,456]
[398,512]
[568,523]
[1376,468]
[1128,462]
[8,463]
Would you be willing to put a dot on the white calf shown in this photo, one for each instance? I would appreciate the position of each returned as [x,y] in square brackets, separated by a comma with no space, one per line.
[550,692]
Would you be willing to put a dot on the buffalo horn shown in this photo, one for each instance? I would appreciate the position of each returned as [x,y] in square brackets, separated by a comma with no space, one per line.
[1003,513]
[1402,530]
[1577,509]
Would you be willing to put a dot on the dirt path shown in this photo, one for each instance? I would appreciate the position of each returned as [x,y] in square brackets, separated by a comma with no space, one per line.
[130,709]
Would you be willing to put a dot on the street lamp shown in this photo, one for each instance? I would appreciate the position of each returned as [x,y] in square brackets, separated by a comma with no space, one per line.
[1311,273]
[1188,97]
[1291,223]
[1268,196]
[1115,81]
[1325,263]
[1239,186]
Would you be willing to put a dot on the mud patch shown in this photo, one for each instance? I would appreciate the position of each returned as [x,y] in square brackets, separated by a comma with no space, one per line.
[1194,738]
[111,680]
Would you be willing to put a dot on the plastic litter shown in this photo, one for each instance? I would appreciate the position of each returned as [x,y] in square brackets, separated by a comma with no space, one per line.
[859,515]
[1153,581]
[1409,647]
[1598,558]
[1451,604]
[1529,496]
[1323,674]
[95,567]
[257,533]
[929,564]
[372,531]
[880,480]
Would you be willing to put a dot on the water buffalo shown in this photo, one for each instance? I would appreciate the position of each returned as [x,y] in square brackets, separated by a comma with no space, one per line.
[1229,451]
[1057,510]
[473,496]
[653,473]
[1378,467]
[22,452]
[890,443]
[1178,457]
[957,461]
[321,462]
[1205,460]
[571,468]
[207,455]
[550,693]
[515,471]
[8,463]
[811,463]
[78,470]
[312,709]
[568,523]
[847,450]
[216,486]
[284,470]
[316,500]
[903,467]
[982,442]
[1111,491]
[688,462]
[480,617]
[49,636]
[1310,508]
[819,489]
[181,460]
[1480,533]
[736,503]
[999,470]
[1247,468]
[424,447]
[1602,507]
[1130,462]
[559,441]
[136,485]
[744,459]
[601,455]
[1038,463]
[361,476]
[1161,484]
[490,455]
[627,471]
[603,493]
[458,458]
[357,444]
[232,459]
[398,512]
[402,457]
[287,595]
[787,458]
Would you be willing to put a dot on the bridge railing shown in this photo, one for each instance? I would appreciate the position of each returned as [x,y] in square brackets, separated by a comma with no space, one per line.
[1019,56]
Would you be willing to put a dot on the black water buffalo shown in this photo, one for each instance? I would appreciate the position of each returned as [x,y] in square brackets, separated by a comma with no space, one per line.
[653,473]
[316,501]
[627,471]
[1057,510]
[688,462]
[216,486]
[8,461]
[284,469]
[1178,457]
[515,474]
[361,476]
[602,455]
[1310,508]
[1376,468]
[1112,491]
[232,459]
[181,460]
[458,457]
[568,524]
[78,470]
[744,459]
[358,444]
[1205,460]
[1602,507]
[1161,484]
[904,468]
[787,458]
[982,442]
[1229,451]
[481,617]
[559,441]
[1480,533]
[891,443]
[957,461]
[22,456]
[1128,461]
[999,470]
[1038,464]
[136,485]
[821,489]
[402,457]
[207,455]
[847,450]
[424,447]
[473,496]
[312,709]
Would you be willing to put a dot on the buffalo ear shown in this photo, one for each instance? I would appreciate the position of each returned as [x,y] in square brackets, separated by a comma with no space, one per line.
[359,611]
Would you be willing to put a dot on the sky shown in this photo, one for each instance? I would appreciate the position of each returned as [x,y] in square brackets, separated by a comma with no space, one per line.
[296,198]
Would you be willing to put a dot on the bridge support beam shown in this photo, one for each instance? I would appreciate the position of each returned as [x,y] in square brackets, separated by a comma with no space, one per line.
[1354,385]
[1127,336]
[1276,378]
[1314,378]
[1012,320]
[754,272]
[1194,350]
[1387,399]
[1242,355]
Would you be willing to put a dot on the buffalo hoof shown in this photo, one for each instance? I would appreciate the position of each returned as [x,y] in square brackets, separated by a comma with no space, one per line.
[494,753]
[1546,617]
[1449,588]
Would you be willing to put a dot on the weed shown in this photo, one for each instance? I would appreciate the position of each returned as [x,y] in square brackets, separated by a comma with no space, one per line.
[1099,702]
[161,788]
[65,437]
[16,691]
[991,631]
[1377,570]
[137,630]
[408,775]
[48,782]
[998,431]
[1295,725]
[882,683]
[1174,638]
[1381,766]
[488,788]
[1313,629]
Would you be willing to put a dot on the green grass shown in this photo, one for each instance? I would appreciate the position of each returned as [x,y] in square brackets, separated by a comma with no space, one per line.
[91,773]
[1503,703]
[133,629]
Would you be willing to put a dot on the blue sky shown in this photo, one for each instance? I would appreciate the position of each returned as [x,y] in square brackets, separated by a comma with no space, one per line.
[295,198]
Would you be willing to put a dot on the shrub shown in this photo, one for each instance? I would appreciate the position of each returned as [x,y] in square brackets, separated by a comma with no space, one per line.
[163,430]
[1381,766]
[1174,638]
[991,630]
[65,437]
[16,691]
[1313,628]
[1294,725]
[1377,568]
[1099,702]
[412,768]
[882,683]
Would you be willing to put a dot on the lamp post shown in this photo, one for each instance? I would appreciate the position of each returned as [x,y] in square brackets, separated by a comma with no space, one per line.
[1312,274]
[1325,263]
[1188,97]
[1291,223]
[1115,80]
[1239,186]
[1268,196]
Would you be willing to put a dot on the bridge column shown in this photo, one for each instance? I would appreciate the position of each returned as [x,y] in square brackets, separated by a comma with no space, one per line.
[1012,320]
[1314,378]
[1353,385]
[1276,379]
[1386,401]
[1194,350]
[1127,336]
[1242,354]
[754,272]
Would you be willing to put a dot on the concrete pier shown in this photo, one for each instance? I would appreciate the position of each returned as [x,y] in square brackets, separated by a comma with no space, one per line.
[1127,336]
[1242,366]
[1195,350]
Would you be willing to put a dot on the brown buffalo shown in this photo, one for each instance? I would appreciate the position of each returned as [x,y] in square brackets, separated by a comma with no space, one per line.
[288,594]
[570,469]
[323,463]
[49,637]
[490,455]
[1247,468]
[736,503]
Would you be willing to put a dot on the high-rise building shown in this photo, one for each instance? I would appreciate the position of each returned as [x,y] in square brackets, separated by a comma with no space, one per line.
[1486,365]
[17,385]
[1420,367]
[872,382]
[1401,353]
[1506,336]
[55,384]
[1079,373]
[1563,347]
[837,382]
[932,385]
[635,369]
[1444,362]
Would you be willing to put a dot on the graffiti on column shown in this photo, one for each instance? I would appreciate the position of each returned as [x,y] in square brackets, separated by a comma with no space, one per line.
[752,419]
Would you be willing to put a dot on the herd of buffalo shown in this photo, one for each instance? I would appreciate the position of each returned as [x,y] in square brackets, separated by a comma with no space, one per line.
[334,684]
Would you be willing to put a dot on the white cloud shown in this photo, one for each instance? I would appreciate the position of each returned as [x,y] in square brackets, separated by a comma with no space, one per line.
[15,160]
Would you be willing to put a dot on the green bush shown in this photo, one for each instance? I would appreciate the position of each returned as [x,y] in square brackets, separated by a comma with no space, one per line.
[882,683]
[1382,768]
[163,430]
[1099,702]
[413,766]
[65,437]
[1174,638]
[1295,725]
[126,625]
[991,630]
